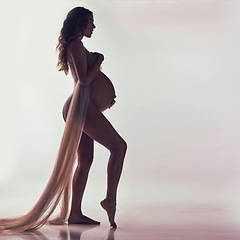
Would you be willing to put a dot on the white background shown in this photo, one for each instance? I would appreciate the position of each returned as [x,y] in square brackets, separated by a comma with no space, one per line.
[175,67]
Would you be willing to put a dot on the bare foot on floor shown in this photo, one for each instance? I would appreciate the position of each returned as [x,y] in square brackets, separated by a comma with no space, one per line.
[81,219]
[111,210]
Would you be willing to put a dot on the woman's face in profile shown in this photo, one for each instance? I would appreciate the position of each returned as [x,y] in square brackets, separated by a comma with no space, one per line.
[90,26]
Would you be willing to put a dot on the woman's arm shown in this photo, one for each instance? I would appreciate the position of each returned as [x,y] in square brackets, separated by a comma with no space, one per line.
[77,53]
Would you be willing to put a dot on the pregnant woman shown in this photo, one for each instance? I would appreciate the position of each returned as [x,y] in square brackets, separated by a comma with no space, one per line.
[85,68]
[93,93]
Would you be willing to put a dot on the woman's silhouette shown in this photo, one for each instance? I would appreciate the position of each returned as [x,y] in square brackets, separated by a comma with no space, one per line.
[93,93]
[85,68]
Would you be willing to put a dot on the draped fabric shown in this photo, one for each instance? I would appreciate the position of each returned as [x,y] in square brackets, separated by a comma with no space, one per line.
[59,184]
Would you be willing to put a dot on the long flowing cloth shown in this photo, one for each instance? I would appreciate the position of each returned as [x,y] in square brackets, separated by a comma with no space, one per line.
[59,184]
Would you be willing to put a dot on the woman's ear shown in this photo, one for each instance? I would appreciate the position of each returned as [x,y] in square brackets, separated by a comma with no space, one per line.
[78,32]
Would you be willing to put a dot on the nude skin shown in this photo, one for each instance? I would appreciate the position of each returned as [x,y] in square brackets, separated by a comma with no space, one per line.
[97,128]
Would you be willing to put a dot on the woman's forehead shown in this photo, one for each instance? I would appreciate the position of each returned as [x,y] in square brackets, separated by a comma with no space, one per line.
[90,17]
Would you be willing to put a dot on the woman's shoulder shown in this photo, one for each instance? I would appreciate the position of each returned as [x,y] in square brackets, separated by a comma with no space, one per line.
[76,45]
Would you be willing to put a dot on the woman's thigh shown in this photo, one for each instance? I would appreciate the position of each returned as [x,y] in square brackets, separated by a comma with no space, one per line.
[100,129]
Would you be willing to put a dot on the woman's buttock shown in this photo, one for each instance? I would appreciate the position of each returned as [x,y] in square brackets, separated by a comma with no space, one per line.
[66,107]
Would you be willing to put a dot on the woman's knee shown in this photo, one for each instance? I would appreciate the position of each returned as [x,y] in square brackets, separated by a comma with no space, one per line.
[124,146]
[120,146]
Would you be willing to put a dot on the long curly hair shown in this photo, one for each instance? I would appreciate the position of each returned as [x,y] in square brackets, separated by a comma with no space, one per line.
[75,22]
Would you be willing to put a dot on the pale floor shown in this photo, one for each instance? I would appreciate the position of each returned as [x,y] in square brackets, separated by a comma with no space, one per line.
[166,222]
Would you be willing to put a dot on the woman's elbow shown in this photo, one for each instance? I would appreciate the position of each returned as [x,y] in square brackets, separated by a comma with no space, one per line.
[84,82]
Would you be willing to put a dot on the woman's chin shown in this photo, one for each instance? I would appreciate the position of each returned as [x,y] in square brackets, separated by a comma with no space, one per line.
[89,35]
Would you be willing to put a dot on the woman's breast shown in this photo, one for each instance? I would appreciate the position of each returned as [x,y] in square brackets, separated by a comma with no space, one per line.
[102,91]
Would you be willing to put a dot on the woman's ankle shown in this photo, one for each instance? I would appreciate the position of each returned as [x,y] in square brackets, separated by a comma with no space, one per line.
[110,202]
[75,213]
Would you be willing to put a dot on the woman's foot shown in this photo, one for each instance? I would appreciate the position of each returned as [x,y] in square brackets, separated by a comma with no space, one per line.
[81,219]
[111,210]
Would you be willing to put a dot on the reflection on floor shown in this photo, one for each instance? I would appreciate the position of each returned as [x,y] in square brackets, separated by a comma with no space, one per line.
[166,222]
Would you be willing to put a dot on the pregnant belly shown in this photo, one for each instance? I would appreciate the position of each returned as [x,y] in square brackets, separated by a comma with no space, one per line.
[102,91]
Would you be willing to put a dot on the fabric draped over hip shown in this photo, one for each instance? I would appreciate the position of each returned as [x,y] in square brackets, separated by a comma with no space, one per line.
[59,184]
